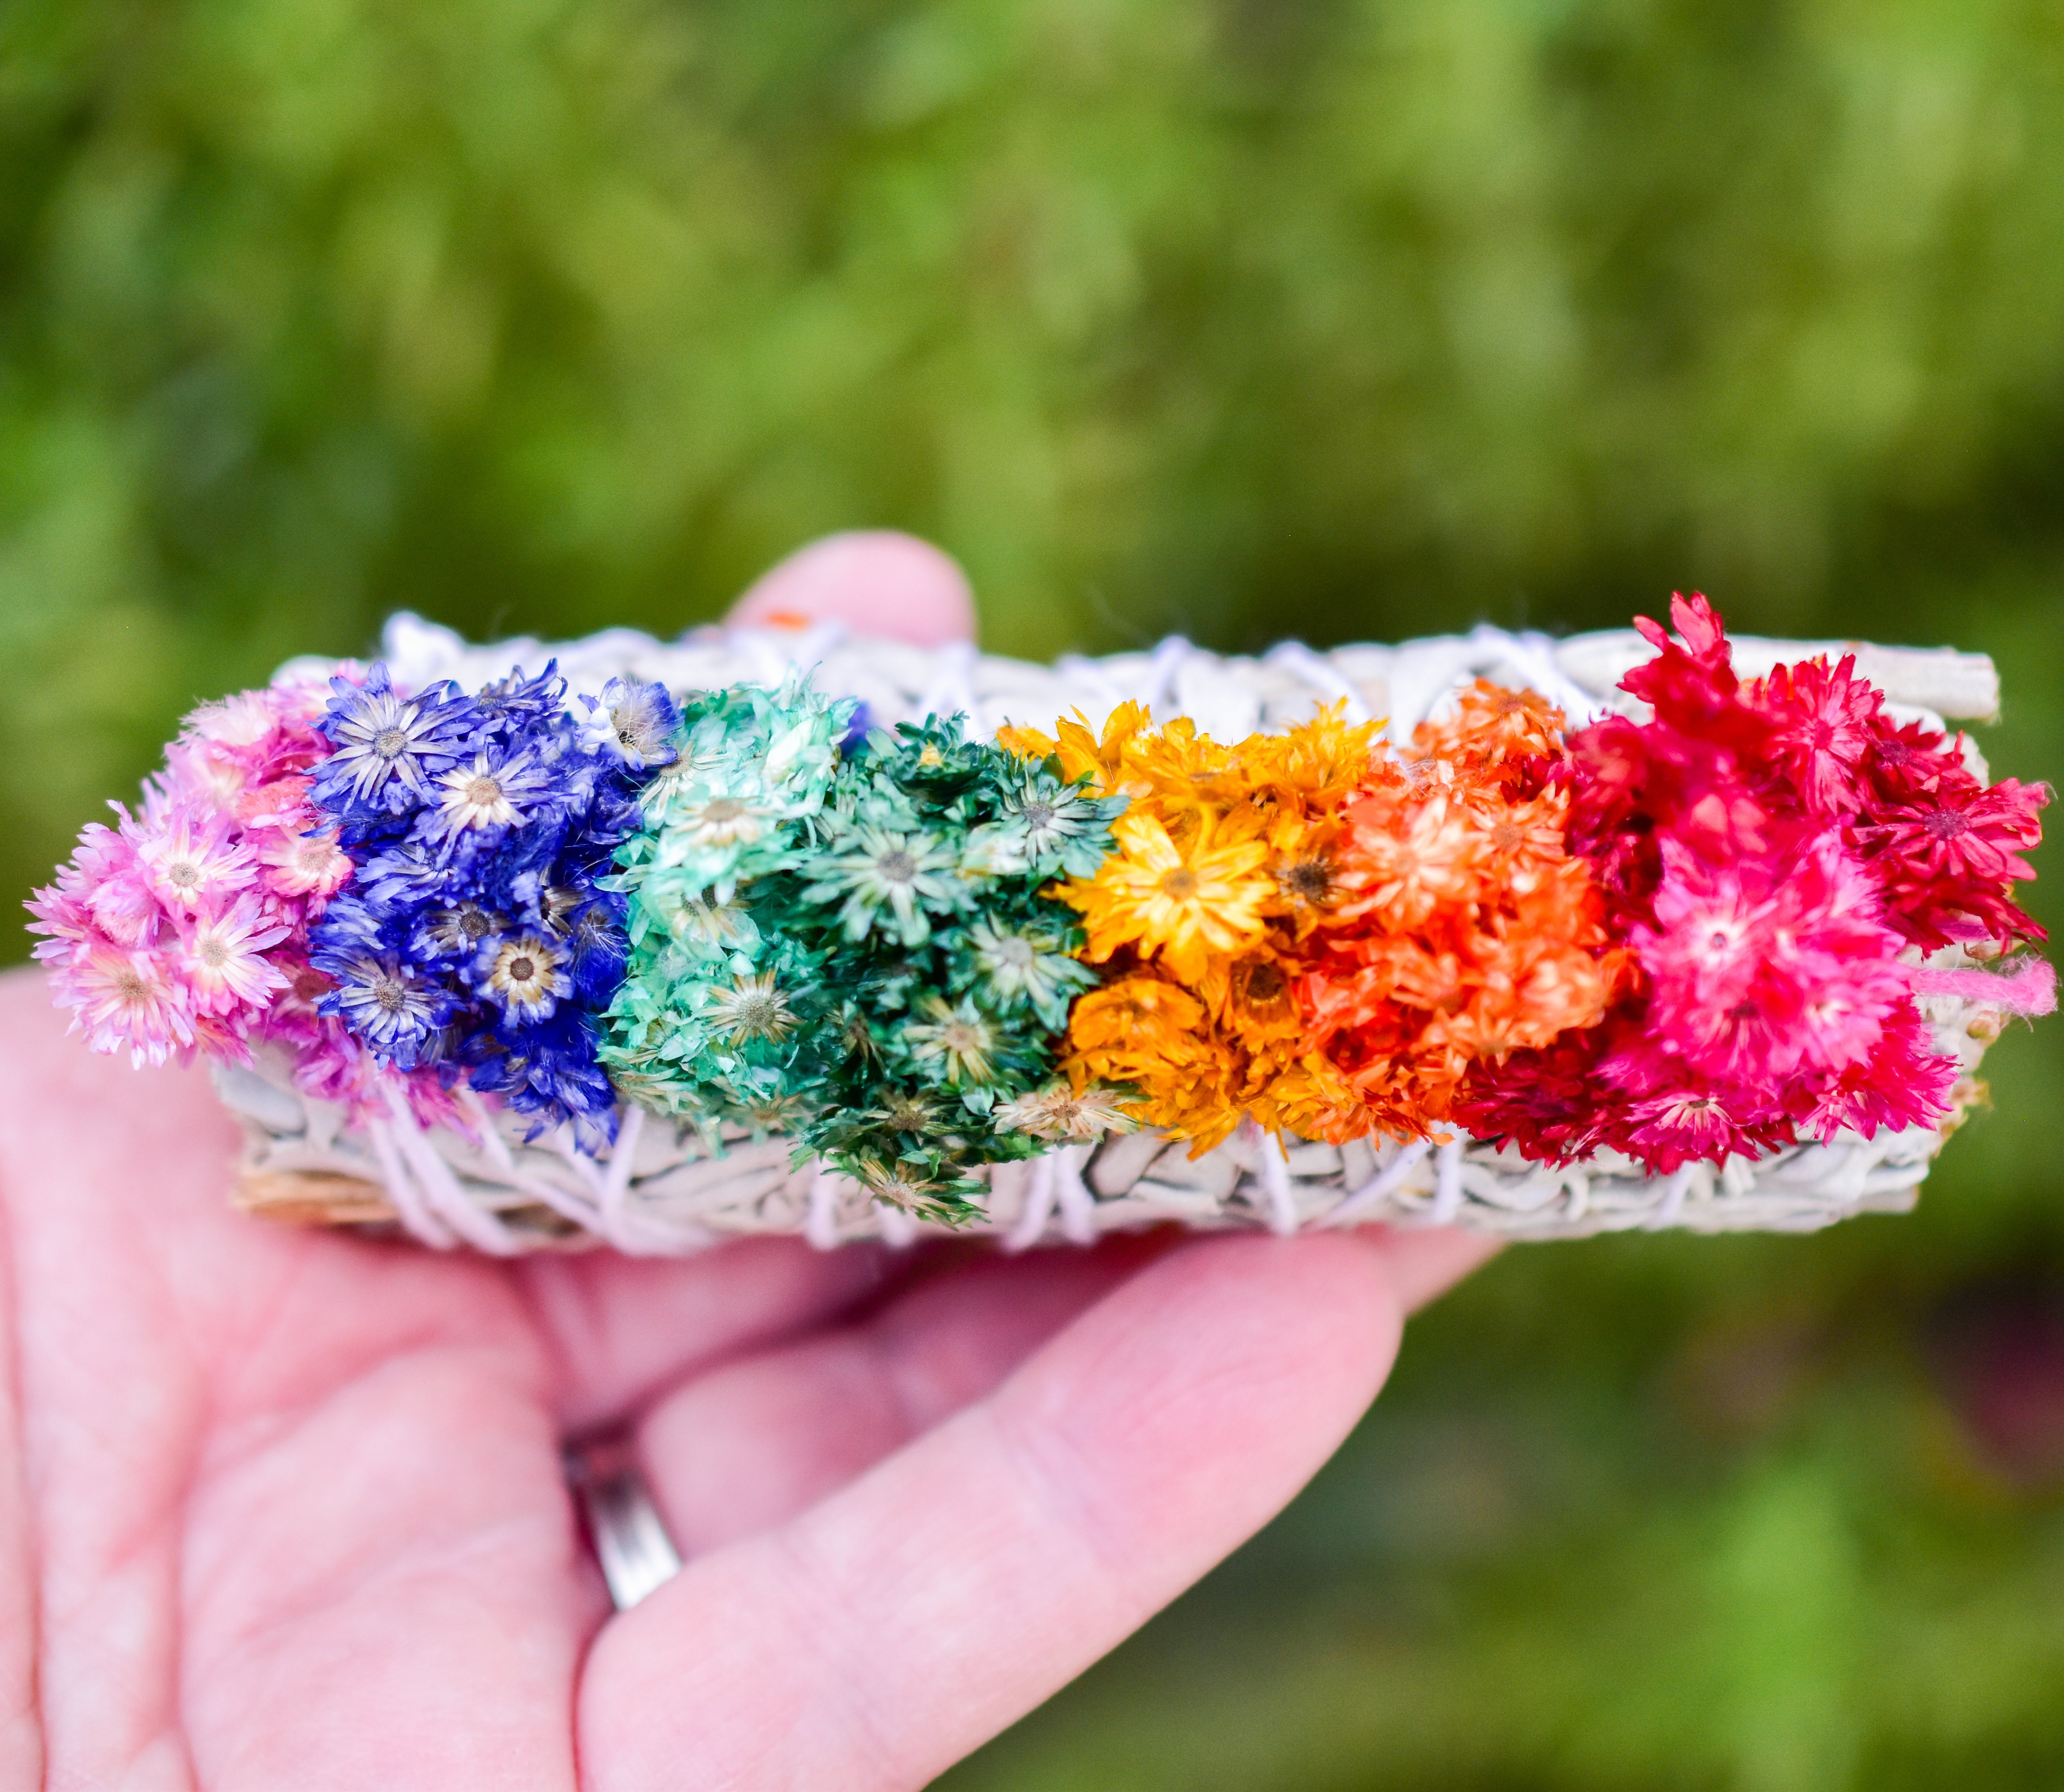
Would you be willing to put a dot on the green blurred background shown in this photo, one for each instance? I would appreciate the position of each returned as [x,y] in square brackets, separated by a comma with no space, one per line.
[1339,317]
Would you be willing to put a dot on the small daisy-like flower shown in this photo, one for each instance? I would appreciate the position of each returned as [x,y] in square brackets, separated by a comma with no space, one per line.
[1259,1006]
[128,998]
[909,1114]
[906,1186]
[493,792]
[459,930]
[1961,835]
[775,1113]
[207,773]
[1046,829]
[1827,723]
[386,1004]
[388,748]
[1184,900]
[282,802]
[1404,868]
[752,1008]
[517,705]
[311,864]
[558,904]
[712,926]
[107,886]
[856,1038]
[243,719]
[1011,965]
[637,722]
[221,958]
[525,975]
[905,872]
[959,1043]
[191,862]
[706,753]
[1058,1112]
[1309,882]
[1676,1128]
[719,821]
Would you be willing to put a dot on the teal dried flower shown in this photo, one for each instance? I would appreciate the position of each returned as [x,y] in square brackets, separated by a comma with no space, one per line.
[751,765]
[1046,829]
[855,950]
[1006,967]
[867,868]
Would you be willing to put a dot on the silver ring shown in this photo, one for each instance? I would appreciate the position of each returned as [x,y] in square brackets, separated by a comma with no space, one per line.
[630,1542]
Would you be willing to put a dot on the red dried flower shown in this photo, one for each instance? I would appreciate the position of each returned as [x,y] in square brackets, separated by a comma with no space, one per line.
[1769,850]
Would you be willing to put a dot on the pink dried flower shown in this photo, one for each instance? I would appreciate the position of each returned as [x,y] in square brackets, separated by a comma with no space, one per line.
[1905,1082]
[101,893]
[1826,726]
[221,959]
[331,1065]
[1955,849]
[202,773]
[1759,969]
[131,999]
[192,859]
[1912,757]
[1686,1122]
[176,932]
[1770,850]
[304,864]
[243,719]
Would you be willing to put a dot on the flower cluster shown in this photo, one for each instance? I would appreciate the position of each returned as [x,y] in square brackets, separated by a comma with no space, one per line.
[1309,930]
[1463,929]
[477,939]
[705,1024]
[185,928]
[851,948]
[1695,934]
[1777,855]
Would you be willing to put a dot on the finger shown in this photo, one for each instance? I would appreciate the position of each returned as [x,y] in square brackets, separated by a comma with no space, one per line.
[968,1577]
[620,1329]
[878,581]
[764,1436]
[92,1156]
[21,1733]
[749,1445]
[623,1330]
[1424,1265]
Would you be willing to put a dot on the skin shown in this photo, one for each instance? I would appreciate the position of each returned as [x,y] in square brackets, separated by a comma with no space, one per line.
[287,1509]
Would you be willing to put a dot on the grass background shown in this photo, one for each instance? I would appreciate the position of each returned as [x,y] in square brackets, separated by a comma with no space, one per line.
[1350,319]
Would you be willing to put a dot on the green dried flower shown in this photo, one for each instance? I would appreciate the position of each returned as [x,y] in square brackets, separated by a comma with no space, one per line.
[854,948]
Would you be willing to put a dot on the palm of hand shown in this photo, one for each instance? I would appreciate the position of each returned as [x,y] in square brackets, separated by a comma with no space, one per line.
[288,1510]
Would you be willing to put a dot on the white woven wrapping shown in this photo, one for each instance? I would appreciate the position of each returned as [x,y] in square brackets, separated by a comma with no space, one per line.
[662,1192]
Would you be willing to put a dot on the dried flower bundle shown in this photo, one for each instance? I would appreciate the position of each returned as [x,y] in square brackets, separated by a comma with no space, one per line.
[1698,933]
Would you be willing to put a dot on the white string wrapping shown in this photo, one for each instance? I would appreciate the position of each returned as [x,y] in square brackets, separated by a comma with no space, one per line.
[663,1190]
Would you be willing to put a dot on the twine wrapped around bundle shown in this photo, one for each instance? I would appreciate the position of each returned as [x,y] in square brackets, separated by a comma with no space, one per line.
[490,1179]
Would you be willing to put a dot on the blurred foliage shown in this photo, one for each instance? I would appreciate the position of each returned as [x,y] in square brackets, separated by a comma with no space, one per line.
[1336,317]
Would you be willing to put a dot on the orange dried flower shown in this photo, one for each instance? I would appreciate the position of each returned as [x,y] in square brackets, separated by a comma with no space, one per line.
[1313,929]
[1184,897]
[1466,931]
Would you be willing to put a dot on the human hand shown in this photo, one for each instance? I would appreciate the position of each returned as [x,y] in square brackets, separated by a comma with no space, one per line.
[287,1509]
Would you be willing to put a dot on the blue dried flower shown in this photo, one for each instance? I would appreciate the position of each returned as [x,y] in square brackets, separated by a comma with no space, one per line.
[483,852]
[389,1004]
[637,722]
[388,748]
